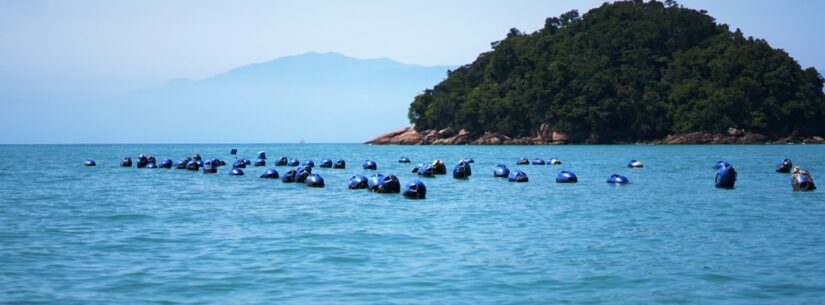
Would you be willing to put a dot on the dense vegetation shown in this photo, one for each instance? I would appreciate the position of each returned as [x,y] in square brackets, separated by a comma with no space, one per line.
[644,69]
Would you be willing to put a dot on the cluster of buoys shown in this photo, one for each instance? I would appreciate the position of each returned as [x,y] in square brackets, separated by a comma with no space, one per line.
[726,175]
[388,184]
[302,173]
[538,161]
[801,180]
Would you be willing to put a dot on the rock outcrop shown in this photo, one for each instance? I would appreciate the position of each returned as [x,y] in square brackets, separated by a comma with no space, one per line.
[448,136]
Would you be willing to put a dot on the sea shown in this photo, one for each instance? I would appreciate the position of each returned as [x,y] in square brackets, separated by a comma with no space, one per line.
[71,234]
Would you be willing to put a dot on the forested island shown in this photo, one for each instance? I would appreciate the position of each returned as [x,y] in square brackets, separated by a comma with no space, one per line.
[624,72]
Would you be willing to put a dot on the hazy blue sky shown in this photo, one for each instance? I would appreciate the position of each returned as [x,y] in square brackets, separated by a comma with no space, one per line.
[114,46]
[94,49]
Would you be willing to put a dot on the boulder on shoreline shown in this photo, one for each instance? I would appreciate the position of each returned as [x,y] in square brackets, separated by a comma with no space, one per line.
[448,136]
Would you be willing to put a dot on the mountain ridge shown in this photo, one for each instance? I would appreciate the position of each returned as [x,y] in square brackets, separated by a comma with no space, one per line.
[308,95]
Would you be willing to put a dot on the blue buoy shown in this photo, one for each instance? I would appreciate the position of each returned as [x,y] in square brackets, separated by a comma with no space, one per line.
[635,164]
[246,161]
[468,160]
[308,163]
[726,177]
[262,155]
[209,167]
[239,164]
[802,181]
[260,162]
[270,174]
[462,170]
[315,180]
[165,164]
[369,164]
[327,163]
[425,170]
[303,168]
[566,177]
[151,165]
[89,163]
[193,165]
[384,184]
[358,182]
[339,164]
[538,161]
[784,166]
[720,164]
[373,181]
[403,160]
[554,161]
[523,161]
[501,171]
[142,161]
[236,172]
[289,176]
[618,179]
[127,162]
[517,176]
[415,190]
[293,162]
[233,151]
[181,164]
[283,161]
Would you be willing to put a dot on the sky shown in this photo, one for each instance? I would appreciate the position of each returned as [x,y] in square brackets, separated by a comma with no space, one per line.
[92,49]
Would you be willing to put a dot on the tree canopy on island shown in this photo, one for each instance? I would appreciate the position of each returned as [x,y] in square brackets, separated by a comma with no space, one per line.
[646,69]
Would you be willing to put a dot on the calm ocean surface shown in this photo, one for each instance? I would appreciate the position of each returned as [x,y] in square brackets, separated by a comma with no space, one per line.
[71,234]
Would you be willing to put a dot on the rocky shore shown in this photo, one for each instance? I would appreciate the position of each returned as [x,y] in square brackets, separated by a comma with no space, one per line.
[447,136]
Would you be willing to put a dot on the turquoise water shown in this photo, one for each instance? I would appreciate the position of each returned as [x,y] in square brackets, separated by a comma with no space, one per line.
[108,235]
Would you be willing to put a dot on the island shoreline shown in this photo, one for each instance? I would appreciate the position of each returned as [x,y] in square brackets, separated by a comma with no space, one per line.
[448,136]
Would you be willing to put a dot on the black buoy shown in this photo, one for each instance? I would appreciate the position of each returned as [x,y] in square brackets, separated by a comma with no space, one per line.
[89,163]
[339,164]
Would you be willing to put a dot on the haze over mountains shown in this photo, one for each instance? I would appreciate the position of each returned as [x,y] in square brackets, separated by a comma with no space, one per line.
[320,97]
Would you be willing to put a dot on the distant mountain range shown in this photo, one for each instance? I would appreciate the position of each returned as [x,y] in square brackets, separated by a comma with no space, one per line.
[320,97]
